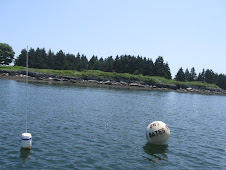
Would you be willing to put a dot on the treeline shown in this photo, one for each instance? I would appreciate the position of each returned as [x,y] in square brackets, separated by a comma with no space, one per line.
[41,59]
[207,76]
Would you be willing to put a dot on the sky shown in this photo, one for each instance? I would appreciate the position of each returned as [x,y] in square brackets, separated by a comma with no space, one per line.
[186,33]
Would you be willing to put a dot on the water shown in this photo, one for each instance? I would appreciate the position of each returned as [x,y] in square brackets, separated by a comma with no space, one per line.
[100,128]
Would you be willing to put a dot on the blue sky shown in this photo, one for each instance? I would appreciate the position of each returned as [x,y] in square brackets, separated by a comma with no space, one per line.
[187,33]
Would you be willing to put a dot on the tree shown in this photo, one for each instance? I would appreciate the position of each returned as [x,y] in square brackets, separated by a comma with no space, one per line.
[209,76]
[6,54]
[167,71]
[100,64]
[84,62]
[201,76]
[21,59]
[77,62]
[70,62]
[59,60]
[192,75]
[109,63]
[40,58]
[117,64]
[31,58]
[92,61]
[50,59]
[180,76]
[187,75]
[221,81]
[148,67]
[161,69]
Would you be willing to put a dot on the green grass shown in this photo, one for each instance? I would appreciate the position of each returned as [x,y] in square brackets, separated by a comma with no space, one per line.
[12,68]
[87,74]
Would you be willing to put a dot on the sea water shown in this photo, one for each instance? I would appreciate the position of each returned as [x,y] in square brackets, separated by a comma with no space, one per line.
[104,128]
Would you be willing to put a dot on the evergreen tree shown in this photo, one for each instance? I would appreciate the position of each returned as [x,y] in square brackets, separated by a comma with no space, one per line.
[180,76]
[40,59]
[77,62]
[70,62]
[117,64]
[21,59]
[101,64]
[109,62]
[92,61]
[201,76]
[158,67]
[221,81]
[187,74]
[149,68]
[84,62]
[50,59]
[192,75]
[140,64]
[209,76]
[161,69]
[59,60]
[31,58]
[167,71]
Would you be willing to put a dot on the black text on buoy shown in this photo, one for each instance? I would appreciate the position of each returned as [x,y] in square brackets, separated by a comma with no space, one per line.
[158,133]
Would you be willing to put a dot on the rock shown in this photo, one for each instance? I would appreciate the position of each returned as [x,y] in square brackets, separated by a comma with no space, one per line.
[93,81]
[123,83]
[57,79]
[133,84]
[189,88]
[137,85]
[107,82]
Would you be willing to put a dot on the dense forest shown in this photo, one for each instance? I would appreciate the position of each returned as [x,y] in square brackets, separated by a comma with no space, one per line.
[41,59]
[121,64]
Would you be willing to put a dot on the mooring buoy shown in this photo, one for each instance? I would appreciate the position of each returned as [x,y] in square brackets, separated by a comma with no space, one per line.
[26,141]
[158,133]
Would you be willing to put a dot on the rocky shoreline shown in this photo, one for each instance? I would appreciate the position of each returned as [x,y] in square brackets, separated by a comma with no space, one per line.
[98,82]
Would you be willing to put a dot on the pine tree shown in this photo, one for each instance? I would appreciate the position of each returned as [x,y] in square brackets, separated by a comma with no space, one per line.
[192,75]
[180,76]
[187,74]
[21,59]
[50,59]
[59,60]
[201,76]
[109,62]
[161,69]
[209,76]
[92,61]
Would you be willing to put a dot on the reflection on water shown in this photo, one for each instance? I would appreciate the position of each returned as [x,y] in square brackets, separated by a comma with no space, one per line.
[24,154]
[156,152]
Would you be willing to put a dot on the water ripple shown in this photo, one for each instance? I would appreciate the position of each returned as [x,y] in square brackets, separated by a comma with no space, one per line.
[93,128]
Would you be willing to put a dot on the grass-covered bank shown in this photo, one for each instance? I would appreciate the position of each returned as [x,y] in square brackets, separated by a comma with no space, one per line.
[96,74]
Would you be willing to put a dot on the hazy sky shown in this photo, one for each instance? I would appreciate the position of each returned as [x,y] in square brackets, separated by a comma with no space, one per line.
[187,33]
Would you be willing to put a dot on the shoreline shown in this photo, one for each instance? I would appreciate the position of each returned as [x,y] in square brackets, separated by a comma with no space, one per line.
[94,82]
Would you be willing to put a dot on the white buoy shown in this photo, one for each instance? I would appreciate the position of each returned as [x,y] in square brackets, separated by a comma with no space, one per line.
[26,140]
[158,133]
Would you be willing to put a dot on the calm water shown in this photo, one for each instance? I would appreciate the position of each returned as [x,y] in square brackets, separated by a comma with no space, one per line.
[99,128]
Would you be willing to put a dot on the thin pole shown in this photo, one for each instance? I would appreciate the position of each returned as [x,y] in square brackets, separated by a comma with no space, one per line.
[26,85]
